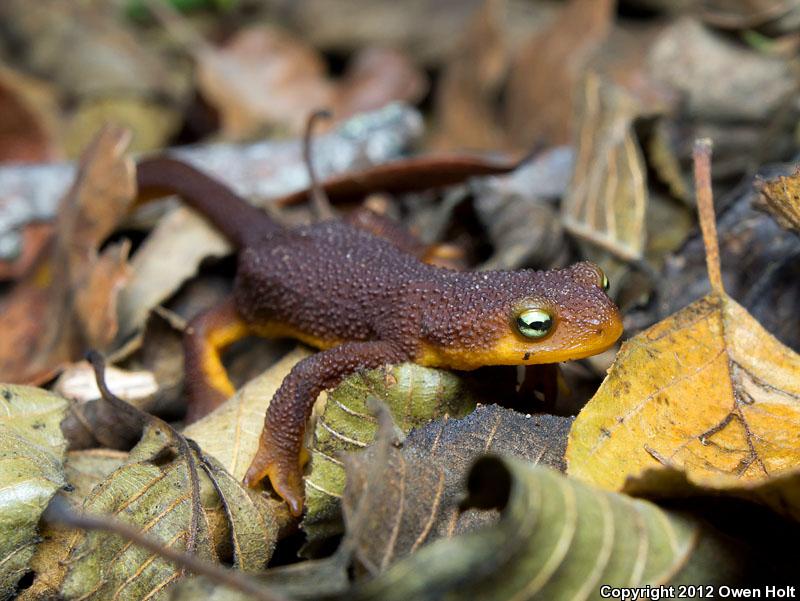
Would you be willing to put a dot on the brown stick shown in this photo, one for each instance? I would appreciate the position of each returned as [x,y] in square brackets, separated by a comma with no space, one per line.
[705,208]
[59,512]
[320,200]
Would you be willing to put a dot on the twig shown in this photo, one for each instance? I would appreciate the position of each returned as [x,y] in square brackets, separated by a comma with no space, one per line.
[320,200]
[59,512]
[99,364]
[705,208]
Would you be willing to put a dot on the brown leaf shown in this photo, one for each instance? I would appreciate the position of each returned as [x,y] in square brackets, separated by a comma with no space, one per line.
[29,118]
[546,69]
[263,76]
[412,499]
[96,298]
[69,298]
[169,256]
[375,77]
[780,197]
[35,238]
[729,83]
[405,175]
[467,93]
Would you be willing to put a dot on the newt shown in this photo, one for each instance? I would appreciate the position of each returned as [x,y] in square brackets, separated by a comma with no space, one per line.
[364,302]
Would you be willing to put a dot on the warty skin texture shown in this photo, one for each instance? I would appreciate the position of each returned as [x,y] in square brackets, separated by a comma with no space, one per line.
[366,303]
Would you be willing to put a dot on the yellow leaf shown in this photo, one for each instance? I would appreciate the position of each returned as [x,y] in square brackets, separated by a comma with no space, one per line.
[781,197]
[707,391]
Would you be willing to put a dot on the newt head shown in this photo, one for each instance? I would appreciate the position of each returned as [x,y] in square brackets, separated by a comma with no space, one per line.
[520,317]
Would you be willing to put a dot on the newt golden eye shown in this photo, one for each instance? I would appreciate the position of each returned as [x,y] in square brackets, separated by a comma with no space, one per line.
[534,323]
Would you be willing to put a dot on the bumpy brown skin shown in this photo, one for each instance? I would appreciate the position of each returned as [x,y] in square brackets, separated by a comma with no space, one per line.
[368,303]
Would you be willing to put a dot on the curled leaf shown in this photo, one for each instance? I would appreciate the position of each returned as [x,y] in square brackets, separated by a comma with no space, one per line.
[556,539]
[409,496]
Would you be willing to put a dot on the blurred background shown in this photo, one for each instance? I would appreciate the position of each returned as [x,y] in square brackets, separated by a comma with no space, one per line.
[608,96]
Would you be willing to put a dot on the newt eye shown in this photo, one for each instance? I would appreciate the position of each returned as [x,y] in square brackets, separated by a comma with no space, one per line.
[534,323]
[604,282]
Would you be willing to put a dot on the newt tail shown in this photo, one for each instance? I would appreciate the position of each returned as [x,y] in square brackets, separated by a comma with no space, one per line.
[239,221]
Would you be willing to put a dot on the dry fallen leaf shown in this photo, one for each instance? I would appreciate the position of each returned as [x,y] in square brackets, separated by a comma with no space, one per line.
[165,260]
[68,300]
[32,452]
[413,497]
[546,69]
[467,92]
[781,198]
[519,212]
[730,83]
[231,433]
[29,118]
[607,199]
[556,538]
[265,77]
[707,391]
[375,77]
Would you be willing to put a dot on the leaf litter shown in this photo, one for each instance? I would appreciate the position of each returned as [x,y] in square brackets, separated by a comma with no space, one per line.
[624,92]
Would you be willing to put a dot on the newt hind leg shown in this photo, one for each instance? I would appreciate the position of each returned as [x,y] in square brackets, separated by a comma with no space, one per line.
[206,337]
[279,455]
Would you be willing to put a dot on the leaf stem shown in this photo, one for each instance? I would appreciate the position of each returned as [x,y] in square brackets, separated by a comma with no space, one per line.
[705,208]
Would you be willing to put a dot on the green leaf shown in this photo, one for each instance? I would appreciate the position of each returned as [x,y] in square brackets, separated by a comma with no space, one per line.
[556,539]
[415,395]
[32,451]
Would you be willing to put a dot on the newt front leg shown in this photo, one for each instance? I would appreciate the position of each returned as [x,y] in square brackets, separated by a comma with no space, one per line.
[279,452]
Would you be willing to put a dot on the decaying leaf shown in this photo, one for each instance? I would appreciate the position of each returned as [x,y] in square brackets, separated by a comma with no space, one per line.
[414,494]
[781,198]
[68,300]
[267,77]
[607,199]
[730,82]
[707,391]
[547,68]
[556,539]
[413,394]
[780,493]
[518,211]
[175,495]
[467,92]
[29,117]
[165,261]
[32,452]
